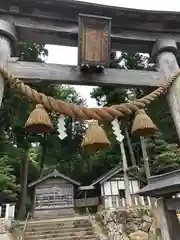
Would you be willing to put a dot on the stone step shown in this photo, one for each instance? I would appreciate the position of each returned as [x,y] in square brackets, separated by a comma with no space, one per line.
[57,220]
[58,224]
[57,231]
[56,227]
[64,215]
[78,237]
[76,228]
[55,235]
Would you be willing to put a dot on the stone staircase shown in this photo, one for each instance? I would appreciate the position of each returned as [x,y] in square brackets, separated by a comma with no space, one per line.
[44,216]
[60,229]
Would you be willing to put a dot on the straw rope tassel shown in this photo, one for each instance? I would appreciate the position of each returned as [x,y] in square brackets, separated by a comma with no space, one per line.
[143,125]
[95,138]
[39,120]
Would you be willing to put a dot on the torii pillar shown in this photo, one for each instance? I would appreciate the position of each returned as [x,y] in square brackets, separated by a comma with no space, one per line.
[7,42]
[164,54]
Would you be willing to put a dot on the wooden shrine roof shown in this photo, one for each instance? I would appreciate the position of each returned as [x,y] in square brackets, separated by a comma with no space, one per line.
[54,174]
[107,175]
[161,185]
[113,173]
[56,22]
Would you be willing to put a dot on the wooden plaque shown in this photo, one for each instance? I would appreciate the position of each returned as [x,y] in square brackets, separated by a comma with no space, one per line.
[94,40]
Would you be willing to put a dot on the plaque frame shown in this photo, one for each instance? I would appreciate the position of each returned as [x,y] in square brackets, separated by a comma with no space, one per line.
[87,49]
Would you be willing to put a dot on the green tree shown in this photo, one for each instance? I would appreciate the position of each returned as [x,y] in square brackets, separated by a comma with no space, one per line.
[39,151]
[158,111]
[9,156]
[164,157]
[58,150]
[14,112]
[107,96]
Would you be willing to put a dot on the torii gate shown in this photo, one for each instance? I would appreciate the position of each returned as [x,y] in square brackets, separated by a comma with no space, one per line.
[49,22]
[56,22]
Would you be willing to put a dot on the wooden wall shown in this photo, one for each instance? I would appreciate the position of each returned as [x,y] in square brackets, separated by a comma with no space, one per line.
[112,186]
[87,202]
[113,191]
[54,196]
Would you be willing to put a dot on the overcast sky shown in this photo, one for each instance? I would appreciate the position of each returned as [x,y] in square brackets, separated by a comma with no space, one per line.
[68,55]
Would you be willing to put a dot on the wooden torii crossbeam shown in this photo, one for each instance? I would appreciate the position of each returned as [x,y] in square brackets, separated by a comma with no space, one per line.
[61,74]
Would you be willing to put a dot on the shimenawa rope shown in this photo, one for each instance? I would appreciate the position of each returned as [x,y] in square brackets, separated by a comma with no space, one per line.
[76,112]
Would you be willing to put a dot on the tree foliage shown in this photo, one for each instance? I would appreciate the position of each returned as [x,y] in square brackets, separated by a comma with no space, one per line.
[162,148]
[28,154]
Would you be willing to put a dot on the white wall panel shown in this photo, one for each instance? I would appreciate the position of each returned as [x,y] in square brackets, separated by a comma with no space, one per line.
[113,187]
[107,188]
[115,190]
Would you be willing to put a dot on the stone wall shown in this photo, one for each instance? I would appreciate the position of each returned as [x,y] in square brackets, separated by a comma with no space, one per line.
[129,224]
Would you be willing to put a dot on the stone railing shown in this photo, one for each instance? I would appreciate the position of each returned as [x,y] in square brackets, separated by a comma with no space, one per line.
[6,219]
[96,228]
[9,227]
[2,226]
[25,227]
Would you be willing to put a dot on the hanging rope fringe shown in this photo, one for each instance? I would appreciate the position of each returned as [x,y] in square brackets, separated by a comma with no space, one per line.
[143,125]
[39,120]
[76,112]
[95,138]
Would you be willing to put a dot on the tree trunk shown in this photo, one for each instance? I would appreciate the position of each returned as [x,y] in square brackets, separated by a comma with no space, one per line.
[24,182]
[133,159]
[43,154]
[145,158]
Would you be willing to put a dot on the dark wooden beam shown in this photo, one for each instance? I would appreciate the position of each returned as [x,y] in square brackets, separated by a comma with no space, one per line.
[169,223]
[56,22]
[60,74]
[173,203]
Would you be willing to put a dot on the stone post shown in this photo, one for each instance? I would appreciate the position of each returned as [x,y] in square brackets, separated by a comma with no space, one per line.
[7,42]
[164,53]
